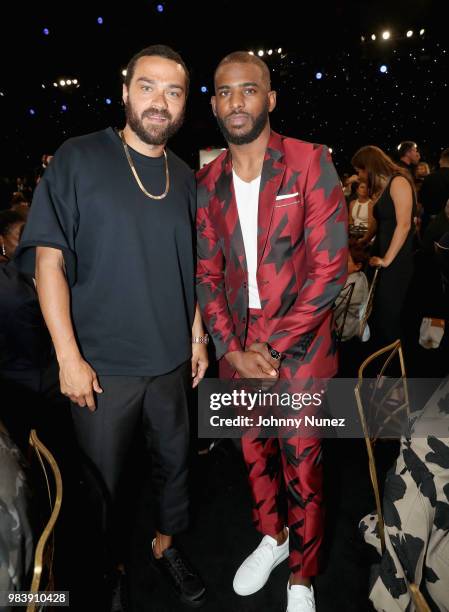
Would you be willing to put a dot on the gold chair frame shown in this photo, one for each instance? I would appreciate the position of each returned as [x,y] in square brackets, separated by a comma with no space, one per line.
[393,349]
[42,454]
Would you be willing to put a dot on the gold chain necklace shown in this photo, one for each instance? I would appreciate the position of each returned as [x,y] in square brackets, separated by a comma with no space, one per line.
[136,176]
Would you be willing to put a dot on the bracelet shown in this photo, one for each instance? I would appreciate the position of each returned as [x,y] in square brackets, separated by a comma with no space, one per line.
[200,339]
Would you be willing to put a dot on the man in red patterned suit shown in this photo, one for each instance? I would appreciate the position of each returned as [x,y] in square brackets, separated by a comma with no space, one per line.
[272,257]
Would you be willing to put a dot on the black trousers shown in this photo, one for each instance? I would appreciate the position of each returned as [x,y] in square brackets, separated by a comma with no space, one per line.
[157,405]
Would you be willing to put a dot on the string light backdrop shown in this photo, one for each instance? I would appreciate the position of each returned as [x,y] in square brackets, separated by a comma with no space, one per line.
[346,73]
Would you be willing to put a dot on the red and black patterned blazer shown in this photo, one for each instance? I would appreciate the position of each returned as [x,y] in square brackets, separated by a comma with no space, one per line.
[302,253]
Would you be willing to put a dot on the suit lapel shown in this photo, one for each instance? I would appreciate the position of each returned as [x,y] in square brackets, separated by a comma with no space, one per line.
[226,194]
[272,174]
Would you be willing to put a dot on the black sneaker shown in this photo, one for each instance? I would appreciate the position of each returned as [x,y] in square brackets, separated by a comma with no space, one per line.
[182,577]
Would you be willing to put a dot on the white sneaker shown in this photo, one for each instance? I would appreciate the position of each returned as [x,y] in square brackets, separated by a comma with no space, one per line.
[255,569]
[300,598]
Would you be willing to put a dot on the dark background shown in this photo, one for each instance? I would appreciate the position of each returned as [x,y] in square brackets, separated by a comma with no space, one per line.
[353,104]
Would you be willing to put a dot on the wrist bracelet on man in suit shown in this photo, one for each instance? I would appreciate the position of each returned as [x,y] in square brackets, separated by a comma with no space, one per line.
[200,339]
[273,352]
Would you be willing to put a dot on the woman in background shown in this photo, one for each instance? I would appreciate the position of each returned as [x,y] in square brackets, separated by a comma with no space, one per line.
[25,344]
[11,228]
[394,210]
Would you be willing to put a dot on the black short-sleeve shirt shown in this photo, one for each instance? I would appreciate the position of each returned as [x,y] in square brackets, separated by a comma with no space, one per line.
[129,259]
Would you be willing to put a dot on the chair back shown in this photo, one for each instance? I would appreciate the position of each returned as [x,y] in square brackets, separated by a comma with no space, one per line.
[377,409]
[367,310]
[43,578]
[383,406]
[341,308]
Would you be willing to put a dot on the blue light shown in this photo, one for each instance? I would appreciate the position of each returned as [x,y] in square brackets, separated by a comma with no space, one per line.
[319,75]
[32,111]
[203,89]
[160,8]
[64,107]
[46,31]
[383,68]
[100,20]
[108,101]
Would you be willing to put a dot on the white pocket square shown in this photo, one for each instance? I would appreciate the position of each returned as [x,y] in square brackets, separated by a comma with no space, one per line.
[288,195]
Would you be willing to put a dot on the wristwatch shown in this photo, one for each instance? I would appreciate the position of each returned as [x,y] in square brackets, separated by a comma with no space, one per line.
[200,339]
[273,352]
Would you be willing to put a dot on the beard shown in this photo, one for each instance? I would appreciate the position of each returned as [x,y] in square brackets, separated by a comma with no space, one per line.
[152,135]
[257,125]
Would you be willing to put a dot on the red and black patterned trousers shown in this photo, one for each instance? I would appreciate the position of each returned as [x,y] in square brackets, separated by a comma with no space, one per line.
[297,462]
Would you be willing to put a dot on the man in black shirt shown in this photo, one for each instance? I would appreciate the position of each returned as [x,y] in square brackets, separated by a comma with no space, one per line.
[409,156]
[434,192]
[110,239]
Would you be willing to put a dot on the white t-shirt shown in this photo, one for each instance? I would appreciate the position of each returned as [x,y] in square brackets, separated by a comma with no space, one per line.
[247,197]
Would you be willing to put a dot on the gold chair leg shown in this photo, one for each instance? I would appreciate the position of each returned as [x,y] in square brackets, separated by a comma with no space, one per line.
[418,598]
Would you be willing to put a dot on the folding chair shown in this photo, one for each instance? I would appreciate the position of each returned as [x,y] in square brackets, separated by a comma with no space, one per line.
[369,304]
[43,578]
[375,410]
[341,308]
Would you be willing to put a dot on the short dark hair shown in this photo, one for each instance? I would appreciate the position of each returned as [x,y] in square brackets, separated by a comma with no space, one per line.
[359,253]
[158,51]
[445,154]
[244,57]
[8,218]
[405,147]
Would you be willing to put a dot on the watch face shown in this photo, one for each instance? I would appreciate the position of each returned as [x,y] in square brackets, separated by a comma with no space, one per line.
[274,353]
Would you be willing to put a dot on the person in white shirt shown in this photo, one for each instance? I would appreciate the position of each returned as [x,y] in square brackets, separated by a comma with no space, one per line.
[361,221]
